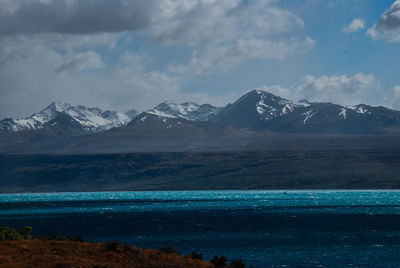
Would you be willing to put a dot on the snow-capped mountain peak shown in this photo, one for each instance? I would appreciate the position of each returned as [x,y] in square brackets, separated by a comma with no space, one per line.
[88,119]
[270,106]
[188,110]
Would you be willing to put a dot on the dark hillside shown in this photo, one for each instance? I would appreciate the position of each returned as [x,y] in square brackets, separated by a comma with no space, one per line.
[313,169]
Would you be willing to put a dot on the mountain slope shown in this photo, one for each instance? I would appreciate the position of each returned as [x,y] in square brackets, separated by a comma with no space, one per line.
[153,133]
[254,110]
[336,119]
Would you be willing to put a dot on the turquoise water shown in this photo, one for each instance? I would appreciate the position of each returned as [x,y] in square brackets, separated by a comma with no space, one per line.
[264,228]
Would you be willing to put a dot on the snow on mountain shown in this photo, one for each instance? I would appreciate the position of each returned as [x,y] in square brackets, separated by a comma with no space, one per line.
[361,109]
[308,115]
[188,110]
[89,119]
[270,106]
[343,112]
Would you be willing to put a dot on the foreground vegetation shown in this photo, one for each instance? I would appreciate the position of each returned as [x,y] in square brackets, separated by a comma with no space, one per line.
[7,233]
[64,253]
[20,249]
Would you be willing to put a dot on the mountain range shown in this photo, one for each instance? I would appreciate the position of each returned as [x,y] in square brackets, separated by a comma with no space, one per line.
[258,117]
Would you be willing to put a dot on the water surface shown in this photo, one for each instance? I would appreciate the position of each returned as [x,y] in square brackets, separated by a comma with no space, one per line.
[264,228]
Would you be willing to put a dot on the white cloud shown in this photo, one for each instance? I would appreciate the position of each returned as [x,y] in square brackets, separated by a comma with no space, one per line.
[356,25]
[336,88]
[341,89]
[388,27]
[394,97]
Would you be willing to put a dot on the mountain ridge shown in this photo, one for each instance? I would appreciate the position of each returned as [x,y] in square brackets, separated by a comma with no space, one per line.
[256,120]
[255,110]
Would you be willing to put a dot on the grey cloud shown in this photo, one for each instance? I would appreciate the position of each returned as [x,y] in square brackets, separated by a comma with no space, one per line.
[390,20]
[220,21]
[388,27]
[75,16]
[81,61]
[216,58]
[178,21]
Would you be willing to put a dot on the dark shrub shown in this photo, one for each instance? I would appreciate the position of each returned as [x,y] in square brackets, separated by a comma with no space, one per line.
[127,247]
[219,262]
[61,238]
[6,233]
[238,264]
[26,232]
[78,238]
[111,246]
[197,256]
[168,250]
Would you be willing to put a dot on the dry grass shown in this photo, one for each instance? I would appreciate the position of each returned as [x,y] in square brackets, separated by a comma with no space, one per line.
[50,253]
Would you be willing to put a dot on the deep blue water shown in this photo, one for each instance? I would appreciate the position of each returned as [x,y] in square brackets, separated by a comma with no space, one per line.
[264,228]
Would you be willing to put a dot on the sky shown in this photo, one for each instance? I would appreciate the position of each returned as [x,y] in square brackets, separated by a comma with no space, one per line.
[134,54]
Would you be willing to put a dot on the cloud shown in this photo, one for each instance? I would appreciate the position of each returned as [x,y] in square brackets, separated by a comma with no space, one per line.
[81,61]
[388,27]
[341,89]
[137,85]
[336,88]
[225,56]
[215,21]
[75,16]
[278,91]
[168,21]
[179,21]
[393,97]
[356,25]
[233,31]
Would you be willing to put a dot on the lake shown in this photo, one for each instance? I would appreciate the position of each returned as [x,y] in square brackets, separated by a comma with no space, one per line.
[263,228]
